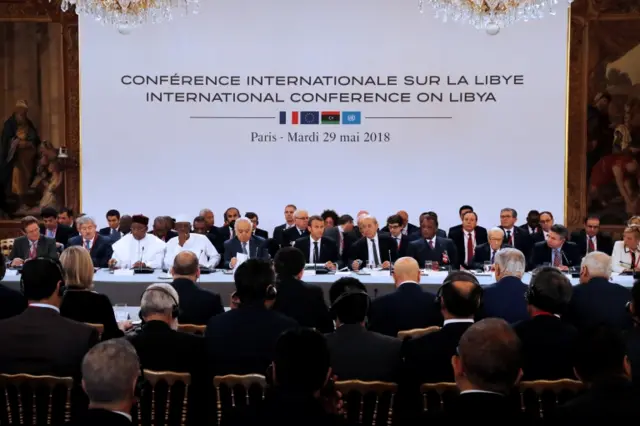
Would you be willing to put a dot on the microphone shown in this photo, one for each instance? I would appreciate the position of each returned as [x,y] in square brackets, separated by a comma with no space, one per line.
[315,260]
[390,264]
[564,256]
[141,256]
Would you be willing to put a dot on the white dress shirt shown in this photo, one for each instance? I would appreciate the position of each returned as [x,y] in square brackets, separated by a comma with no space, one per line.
[248,247]
[128,251]
[199,245]
[311,259]
[513,235]
[457,320]
[467,235]
[621,258]
[546,235]
[44,305]
[370,245]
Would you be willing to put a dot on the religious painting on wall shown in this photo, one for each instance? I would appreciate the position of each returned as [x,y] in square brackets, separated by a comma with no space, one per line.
[32,110]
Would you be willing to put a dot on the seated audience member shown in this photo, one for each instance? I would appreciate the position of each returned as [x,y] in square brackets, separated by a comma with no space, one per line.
[633,335]
[52,229]
[31,244]
[546,339]
[626,253]
[487,252]
[342,235]
[80,303]
[546,222]
[374,248]
[138,249]
[533,222]
[555,251]
[408,307]
[40,341]
[301,228]
[242,341]
[110,371]
[513,236]
[200,227]
[601,363]
[65,217]
[112,231]
[590,238]
[486,368]
[197,305]
[227,230]
[296,299]
[289,221]
[253,217]
[504,298]
[163,228]
[12,303]
[207,255]
[330,218]
[467,238]
[209,220]
[461,212]
[244,243]
[319,249]
[597,301]
[459,297]
[98,246]
[433,247]
[395,227]
[358,354]
[408,227]
[439,232]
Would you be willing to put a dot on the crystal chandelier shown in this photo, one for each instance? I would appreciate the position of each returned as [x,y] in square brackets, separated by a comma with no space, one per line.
[492,15]
[128,14]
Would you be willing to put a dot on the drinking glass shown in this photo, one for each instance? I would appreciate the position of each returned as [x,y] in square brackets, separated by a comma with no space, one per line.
[371,265]
[435,266]
[120,311]
[487,266]
[428,265]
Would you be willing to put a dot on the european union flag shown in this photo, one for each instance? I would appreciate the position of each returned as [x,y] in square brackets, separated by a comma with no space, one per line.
[309,117]
[351,117]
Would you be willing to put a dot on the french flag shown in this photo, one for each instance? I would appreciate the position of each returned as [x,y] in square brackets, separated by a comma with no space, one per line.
[295,117]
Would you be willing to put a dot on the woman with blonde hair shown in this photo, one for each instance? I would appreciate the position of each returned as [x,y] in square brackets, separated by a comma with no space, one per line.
[626,253]
[80,302]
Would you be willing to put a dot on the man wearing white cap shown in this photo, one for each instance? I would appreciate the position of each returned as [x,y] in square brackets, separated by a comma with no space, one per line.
[198,244]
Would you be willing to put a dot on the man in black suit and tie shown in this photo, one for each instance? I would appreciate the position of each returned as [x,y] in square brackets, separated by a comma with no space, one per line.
[487,252]
[32,244]
[358,354]
[226,231]
[556,251]
[432,248]
[514,236]
[343,236]
[52,229]
[440,232]
[408,229]
[113,231]
[197,306]
[98,246]
[253,217]
[462,211]
[163,228]
[467,238]
[299,230]
[318,249]
[245,243]
[590,239]
[39,341]
[533,223]
[289,221]
[546,222]
[395,227]
[373,249]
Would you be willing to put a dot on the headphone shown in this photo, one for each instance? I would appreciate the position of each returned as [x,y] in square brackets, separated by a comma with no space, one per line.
[348,292]
[62,289]
[534,297]
[175,308]
[448,291]
[270,293]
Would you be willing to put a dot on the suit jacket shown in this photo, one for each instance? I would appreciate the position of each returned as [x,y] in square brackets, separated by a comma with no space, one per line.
[63,233]
[386,244]
[197,306]
[261,233]
[483,254]
[40,341]
[633,352]
[101,250]
[100,417]
[304,303]
[46,248]
[170,234]
[343,240]
[411,229]
[405,240]
[523,241]
[457,236]
[603,241]
[541,254]
[525,228]
[441,233]
[408,307]
[257,249]
[91,307]
[328,250]
[505,299]
[106,232]
[292,234]
[421,252]
[358,354]
[277,233]
[12,302]
[599,302]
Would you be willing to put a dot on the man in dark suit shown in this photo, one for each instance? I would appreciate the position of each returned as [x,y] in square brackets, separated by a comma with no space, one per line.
[244,242]
[406,228]
[98,246]
[440,232]
[296,299]
[113,231]
[546,222]
[597,300]
[253,217]
[487,252]
[514,236]
[32,244]
[591,239]
[197,306]
[343,236]
[12,303]
[504,298]
[462,211]
[395,227]
[242,341]
[299,230]
[40,341]
[533,223]
[556,251]
[163,229]
[459,298]
[373,248]
[289,211]
[467,238]
[358,354]
[52,229]
[318,249]
[227,231]
[432,247]
[408,307]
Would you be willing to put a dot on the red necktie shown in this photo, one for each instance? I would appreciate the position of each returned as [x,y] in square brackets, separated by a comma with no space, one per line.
[431,244]
[33,253]
[592,247]
[469,247]
[557,260]
[510,238]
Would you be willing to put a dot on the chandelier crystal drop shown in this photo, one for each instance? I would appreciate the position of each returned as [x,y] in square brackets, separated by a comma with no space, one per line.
[492,15]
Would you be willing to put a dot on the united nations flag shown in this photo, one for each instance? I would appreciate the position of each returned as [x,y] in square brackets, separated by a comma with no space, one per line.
[351,117]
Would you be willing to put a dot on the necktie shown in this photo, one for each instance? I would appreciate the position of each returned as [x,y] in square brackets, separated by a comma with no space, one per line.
[592,247]
[376,258]
[34,250]
[557,259]
[469,248]
[633,260]
[113,231]
[493,256]
[509,239]
[315,252]
[87,244]
[231,233]
[398,239]
[430,242]
[341,242]
[244,248]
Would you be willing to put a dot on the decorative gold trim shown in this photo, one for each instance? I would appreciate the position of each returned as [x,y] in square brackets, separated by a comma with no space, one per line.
[566,118]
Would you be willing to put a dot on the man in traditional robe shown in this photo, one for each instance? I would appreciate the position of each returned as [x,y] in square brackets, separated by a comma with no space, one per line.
[198,244]
[138,249]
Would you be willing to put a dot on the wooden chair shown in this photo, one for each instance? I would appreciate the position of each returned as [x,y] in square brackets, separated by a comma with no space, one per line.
[441,389]
[557,388]
[6,246]
[416,332]
[234,383]
[99,328]
[38,387]
[365,389]
[192,329]
[170,378]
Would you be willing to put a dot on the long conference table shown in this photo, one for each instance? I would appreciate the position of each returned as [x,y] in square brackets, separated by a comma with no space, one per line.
[128,289]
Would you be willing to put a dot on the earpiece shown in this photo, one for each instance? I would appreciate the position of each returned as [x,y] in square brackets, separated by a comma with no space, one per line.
[175,308]
[446,290]
[271,293]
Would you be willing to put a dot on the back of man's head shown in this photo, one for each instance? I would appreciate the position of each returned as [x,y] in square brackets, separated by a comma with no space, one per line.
[302,361]
[462,296]
[489,354]
[289,262]
[349,300]
[185,264]
[406,269]
[159,299]
[40,278]
[549,290]
[600,354]
[109,373]
[597,265]
[252,278]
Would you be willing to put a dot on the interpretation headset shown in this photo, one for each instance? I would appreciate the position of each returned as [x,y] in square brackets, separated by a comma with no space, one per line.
[175,308]
[447,291]
[62,289]
[348,292]
[270,293]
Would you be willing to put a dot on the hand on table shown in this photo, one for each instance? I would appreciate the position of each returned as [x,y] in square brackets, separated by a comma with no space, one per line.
[139,265]
[330,266]
[232,262]
[386,264]
[356,265]
[17,262]
[125,325]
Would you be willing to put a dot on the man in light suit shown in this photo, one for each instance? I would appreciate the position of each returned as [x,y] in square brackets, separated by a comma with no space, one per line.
[244,242]
[32,244]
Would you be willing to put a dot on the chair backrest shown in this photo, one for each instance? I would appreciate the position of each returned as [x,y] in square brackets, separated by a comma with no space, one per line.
[6,246]
[375,390]
[440,389]
[170,378]
[37,387]
[561,390]
[192,328]
[234,384]
[99,328]
[417,332]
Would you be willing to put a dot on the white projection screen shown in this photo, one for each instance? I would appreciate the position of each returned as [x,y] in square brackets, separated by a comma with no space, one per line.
[180,116]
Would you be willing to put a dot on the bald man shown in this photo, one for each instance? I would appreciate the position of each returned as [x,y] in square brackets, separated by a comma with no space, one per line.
[373,248]
[408,307]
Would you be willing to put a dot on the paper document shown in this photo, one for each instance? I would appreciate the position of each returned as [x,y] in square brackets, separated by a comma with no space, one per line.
[240,259]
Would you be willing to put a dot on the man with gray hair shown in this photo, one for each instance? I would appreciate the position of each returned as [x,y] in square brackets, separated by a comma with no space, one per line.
[597,301]
[504,298]
[301,228]
[244,243]
[99,246]
[487,252]
[110,371]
